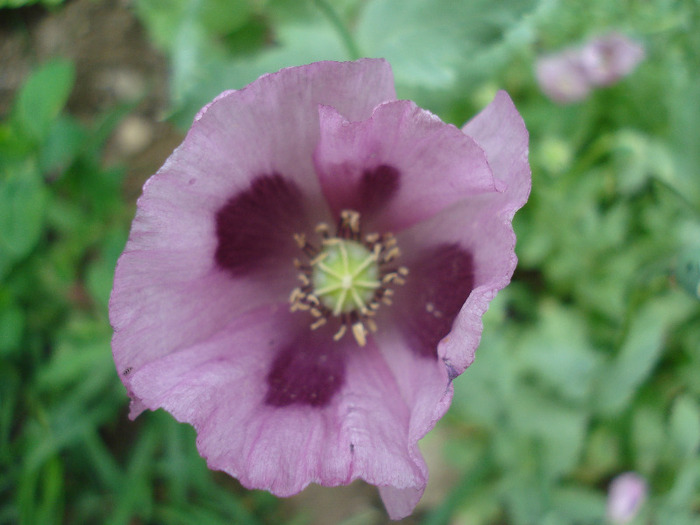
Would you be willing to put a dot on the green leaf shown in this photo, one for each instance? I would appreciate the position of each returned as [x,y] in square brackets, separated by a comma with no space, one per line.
[163,18]
[11,327]
[649,439]
[638,157]
[555,431]
[429,44]
[22,202]
[602,452]
[64,141]
[639,353]
[684,89]
[484,391]
[40,493]
[687,271]
[23,3]
[43,96]
[73,361]
[685,425]
[685,487]
[465,490]
[102,461]
[526,496]
[579,505]
[134,498]
[10,393]
[557,352]
[14,144]
[224,16]
[299,43]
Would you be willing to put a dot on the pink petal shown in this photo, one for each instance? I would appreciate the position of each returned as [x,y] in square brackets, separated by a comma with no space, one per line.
[500,131]
[480,227]
[400,503]
[427,164]
[164,301]
[465,253]
[220,386]
[426,389]
[475,240]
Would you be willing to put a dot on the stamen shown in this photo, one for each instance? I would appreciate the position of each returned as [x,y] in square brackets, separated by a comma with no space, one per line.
[319,258]
[371,238]
[392,254]
[295,295]
[312,299]
[371,324]
[340,333]
[358,330]
[346,279]
[318,323]
[322,229]
[316,312]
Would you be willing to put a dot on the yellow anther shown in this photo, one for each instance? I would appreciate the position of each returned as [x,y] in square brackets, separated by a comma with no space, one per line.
[344,279]
[358,331]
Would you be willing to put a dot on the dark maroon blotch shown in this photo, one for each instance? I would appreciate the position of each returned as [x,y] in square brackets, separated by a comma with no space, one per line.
[310,371]
[371,192]
[377,187]
[257,225]
[439,283]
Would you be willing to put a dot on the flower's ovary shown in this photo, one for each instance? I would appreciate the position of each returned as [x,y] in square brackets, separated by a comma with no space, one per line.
[347,277]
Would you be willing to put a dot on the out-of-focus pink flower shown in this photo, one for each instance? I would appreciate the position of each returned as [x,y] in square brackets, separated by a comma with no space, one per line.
[626,495]
[562,78]
[569,76]
[306,275]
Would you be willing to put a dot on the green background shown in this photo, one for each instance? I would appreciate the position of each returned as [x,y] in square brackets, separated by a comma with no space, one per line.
[590,360]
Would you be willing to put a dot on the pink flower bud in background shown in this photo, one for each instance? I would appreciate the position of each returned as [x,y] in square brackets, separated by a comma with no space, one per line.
[607,59]
[626,495]
[562,78]
[569,76]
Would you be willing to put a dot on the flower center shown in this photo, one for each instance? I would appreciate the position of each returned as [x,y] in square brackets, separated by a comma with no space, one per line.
[347,278]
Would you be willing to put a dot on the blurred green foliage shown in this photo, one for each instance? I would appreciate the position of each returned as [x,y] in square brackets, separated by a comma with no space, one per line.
[24,3]
[590,361]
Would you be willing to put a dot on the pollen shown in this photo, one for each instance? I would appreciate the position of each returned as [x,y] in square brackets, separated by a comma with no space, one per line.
[346,277]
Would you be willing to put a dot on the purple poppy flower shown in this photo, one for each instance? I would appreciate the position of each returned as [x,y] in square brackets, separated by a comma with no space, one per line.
[569,76]
[626,495]
[307,273]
